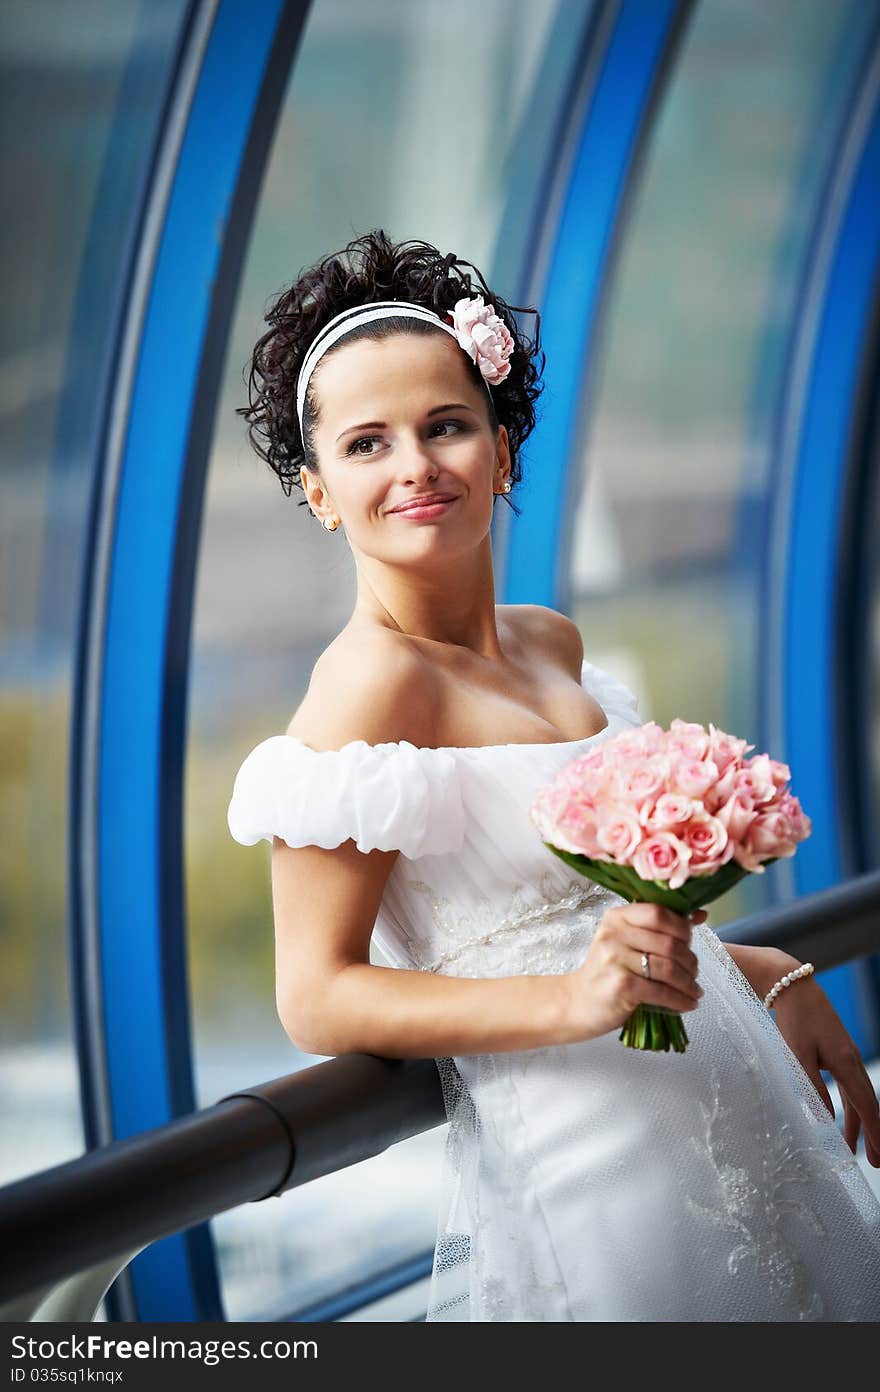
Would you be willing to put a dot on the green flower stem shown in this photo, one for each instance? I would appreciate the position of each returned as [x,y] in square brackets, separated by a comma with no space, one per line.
[651,1027]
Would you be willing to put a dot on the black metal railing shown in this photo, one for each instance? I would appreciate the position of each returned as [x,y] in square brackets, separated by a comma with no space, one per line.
[100,1210]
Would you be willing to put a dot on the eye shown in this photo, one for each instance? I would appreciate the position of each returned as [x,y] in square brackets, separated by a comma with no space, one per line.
[361,439]
[459,425]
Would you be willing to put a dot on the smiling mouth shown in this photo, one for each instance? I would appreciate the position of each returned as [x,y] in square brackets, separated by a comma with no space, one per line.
[432,507]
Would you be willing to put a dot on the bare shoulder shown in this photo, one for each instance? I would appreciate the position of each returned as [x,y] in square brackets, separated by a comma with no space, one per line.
[550,632]
[370,686]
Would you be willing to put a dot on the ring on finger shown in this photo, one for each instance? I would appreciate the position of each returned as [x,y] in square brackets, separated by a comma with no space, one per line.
[646,966]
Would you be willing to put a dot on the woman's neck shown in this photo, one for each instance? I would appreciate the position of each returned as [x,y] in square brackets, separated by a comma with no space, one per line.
[457,609]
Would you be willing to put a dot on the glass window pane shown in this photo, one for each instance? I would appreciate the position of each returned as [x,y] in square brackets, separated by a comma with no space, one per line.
[376,131]
[80,96]
[679,463]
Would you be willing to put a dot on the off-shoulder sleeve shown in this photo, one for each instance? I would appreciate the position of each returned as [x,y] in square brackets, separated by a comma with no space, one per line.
[613,695]
[385,796]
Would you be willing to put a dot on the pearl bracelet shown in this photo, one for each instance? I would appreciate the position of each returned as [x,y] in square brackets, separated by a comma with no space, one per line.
[786,980]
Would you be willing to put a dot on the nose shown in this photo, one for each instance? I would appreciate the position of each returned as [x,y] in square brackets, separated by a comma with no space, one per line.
[416,461]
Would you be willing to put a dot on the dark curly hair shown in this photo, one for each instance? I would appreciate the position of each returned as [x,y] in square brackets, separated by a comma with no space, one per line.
[371,268]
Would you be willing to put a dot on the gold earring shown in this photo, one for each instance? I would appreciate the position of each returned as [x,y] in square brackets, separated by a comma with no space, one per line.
[330,524]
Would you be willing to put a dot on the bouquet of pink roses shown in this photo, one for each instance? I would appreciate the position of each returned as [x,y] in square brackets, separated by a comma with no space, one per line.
[671,817]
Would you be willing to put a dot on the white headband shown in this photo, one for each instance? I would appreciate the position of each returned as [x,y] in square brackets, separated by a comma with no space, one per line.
[477,329]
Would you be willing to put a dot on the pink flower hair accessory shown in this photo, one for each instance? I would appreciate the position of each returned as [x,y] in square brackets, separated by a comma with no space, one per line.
[484,336]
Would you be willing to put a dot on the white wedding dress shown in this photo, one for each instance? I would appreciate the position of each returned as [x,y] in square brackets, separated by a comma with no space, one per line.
[584,1181]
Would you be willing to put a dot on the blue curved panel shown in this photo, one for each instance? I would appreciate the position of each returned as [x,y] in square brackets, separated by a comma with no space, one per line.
[811,643]
[144,670]
[640,36]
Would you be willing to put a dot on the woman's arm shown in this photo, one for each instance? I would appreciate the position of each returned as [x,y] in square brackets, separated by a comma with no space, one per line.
[332,999]
[817,1037]
[761,966]
[396,1013]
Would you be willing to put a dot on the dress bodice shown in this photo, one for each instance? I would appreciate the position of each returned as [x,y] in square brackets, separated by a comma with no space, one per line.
[474,890]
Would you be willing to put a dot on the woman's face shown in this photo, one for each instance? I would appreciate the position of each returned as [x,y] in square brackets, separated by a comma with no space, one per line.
[400,418]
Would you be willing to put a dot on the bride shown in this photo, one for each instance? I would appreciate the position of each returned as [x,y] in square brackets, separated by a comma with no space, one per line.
[582,1180]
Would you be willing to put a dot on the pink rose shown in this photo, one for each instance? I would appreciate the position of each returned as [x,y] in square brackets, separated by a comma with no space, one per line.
[640,779]
[801,824]
[662,857]
[667,812]
[577,830]
[780,773]
[726,749]
[693,776]
[649,738]
[484,336]
[723,788]
[567,817]
[770,836]
[635,744]
[687,738]
[592,762]
[619,833]
[707,840]
[736,815]
[755,778]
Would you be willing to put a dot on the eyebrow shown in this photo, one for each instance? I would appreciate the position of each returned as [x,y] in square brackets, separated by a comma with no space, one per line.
[380,425]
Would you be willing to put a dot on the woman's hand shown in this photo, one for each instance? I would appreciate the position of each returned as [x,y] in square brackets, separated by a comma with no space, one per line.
[814,1032]
[605,990]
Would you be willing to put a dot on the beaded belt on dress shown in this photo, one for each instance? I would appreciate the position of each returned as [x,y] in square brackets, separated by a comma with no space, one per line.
[512,927]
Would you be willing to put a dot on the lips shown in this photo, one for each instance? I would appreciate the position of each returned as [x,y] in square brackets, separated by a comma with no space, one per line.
[413,503]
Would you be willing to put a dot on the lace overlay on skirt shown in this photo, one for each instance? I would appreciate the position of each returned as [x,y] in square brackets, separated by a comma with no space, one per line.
[712,1185]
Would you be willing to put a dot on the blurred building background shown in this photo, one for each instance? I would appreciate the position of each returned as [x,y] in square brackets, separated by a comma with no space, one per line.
[687,192]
